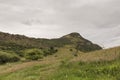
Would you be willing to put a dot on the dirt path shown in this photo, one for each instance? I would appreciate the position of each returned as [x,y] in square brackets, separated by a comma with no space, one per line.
[19,66]
[49,60]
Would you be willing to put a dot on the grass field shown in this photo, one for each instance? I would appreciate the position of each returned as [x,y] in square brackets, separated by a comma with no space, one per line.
[97,65]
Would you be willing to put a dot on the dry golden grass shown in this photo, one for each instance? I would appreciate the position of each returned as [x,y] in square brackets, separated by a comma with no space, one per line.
[55,59]
[101,55]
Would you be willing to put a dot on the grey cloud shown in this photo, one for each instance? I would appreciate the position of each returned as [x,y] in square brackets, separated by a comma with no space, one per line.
[97,20]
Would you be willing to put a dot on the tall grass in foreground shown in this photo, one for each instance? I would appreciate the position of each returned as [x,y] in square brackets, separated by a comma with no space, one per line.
[104,70]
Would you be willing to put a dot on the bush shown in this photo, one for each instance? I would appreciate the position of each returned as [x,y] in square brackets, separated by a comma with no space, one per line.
[46,52]
[71,50]
[8,57]
[33,54]
[50,51]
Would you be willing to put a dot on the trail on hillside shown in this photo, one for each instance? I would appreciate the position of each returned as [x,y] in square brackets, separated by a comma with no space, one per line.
[15,67]
[49,60]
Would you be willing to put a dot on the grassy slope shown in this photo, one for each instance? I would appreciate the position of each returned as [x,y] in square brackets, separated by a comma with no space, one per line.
[17,43]
[98,65]
[23,70]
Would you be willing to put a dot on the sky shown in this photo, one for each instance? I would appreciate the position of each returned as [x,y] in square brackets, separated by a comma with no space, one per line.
[96,20]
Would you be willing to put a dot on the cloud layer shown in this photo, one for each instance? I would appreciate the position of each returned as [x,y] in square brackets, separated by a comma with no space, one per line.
[96,20]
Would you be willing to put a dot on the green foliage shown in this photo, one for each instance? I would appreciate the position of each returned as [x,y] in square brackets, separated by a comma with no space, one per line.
[17,43]
[71,50]
[30,73]
[8,57]
[50,51]
[87,46]
[101,70]
[64,67]
[33,54]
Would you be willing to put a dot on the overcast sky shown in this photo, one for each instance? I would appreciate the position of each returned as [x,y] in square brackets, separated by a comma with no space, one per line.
[96,20]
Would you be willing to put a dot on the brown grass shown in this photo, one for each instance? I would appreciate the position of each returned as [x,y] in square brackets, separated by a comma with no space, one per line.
[101,55]
[62,54]
[50,60]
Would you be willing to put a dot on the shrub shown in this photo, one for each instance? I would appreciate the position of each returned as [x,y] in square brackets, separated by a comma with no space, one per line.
[50,51]
[46,52]
[71,50]
[33,54]
[8,57]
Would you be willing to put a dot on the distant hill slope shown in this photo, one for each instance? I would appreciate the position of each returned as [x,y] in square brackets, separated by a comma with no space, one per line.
[21,42]
[100,55]
[81,43]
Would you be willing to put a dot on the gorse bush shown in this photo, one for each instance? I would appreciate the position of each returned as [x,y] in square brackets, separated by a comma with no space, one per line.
[33,54]
[8,57]
[50,51]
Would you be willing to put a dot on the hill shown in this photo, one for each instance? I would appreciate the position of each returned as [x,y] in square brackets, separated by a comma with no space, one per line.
[81,43]
[20,42]
[96,65]
[91,63]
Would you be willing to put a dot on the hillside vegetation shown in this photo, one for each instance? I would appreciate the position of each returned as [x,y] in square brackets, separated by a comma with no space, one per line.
[24,47]
[70,57]
[8,57]
[96,65]
[19,42]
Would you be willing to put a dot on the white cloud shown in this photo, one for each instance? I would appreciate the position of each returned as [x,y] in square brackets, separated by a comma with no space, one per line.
[81,3]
